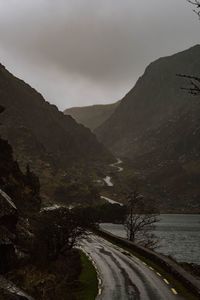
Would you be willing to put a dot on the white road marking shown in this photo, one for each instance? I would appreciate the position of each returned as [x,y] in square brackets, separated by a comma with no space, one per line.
[124,252]
[100,292]
[166,281]
[174,291]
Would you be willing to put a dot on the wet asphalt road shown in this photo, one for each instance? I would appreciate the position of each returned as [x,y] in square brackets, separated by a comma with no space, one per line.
[123,276]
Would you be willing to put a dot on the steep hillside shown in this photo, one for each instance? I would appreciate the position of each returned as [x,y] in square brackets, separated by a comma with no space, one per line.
[157,127]
[24,189]
[92,116]
[44,137]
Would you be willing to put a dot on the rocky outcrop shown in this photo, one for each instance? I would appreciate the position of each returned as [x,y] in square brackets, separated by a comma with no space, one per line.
[24,189]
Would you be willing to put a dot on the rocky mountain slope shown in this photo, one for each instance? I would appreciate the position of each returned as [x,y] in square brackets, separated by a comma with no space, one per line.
[157,127]
[23,188]
[50,142]
[92,116]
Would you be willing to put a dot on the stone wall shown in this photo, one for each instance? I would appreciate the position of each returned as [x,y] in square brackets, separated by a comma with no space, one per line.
[164,262]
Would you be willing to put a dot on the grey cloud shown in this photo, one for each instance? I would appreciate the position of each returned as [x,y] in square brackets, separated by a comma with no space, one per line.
[78,52]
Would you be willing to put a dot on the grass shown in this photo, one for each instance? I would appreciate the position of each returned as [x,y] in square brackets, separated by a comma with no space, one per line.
[180,288]
[72,278]
[88,287]
[62,279]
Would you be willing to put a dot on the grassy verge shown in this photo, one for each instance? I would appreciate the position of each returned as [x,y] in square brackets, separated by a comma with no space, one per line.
[72,277]
[181,289]
[88,283]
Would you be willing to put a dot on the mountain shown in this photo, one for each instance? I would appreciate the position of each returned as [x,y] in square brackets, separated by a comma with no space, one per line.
[92,116]
[157,127]
[53,144]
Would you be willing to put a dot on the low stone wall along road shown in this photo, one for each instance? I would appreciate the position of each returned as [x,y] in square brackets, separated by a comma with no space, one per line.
[125,277]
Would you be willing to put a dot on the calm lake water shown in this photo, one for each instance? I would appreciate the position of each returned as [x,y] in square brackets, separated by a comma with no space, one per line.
[179,236]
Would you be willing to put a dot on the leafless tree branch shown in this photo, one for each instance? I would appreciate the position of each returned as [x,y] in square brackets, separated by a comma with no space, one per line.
[140,221]
[196,3]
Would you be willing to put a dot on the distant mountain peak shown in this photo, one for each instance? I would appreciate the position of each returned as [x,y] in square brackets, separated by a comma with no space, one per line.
[92,116]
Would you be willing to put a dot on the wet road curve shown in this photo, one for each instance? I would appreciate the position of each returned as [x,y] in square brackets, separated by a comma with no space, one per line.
[124,276]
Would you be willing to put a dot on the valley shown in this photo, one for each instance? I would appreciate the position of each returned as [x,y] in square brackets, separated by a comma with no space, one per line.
[96,201]
[155,131]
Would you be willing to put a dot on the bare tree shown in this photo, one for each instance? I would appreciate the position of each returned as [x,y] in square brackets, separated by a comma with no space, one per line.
[194,88]
[140,221]
[58,231]
[196,4]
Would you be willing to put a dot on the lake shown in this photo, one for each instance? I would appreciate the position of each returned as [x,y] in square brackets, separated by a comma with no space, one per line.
[179,236]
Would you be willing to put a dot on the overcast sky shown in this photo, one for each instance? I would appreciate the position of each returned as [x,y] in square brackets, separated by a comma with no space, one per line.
[82,52]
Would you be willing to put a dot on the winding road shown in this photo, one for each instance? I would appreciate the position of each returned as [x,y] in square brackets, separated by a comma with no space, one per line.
[107,179]
[122,276]
[116,165]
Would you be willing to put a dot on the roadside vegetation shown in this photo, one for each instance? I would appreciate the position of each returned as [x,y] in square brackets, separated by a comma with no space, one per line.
[140,220]
[88,282]
[54,268]
[72,277]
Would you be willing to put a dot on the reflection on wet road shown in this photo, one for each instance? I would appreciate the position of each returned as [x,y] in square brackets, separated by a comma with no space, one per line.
[124,276]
